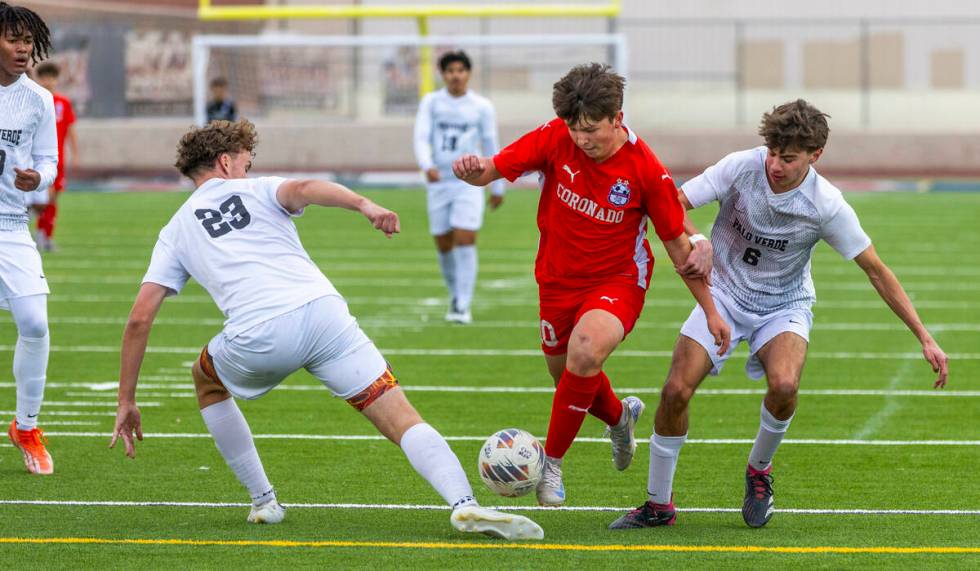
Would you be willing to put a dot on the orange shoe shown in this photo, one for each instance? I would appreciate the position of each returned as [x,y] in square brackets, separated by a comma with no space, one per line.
[31,444]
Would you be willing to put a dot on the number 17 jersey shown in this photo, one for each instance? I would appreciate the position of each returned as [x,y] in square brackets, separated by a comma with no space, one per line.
[241,245]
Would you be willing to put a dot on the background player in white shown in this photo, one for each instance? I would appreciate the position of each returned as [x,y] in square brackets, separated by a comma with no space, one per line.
[28,162]
[774,210]
[236,237]
[453,122]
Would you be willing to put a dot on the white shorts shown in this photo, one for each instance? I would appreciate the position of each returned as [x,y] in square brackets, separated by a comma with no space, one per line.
[756,329]
[321,337]
[36,197]
[454,204]
[21,273]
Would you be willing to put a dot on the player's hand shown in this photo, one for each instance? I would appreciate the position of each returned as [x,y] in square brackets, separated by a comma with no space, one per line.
[381,218]
[27,180]
[721,332]
[939,361]
[432,174]
[698,264]
[127,423]
[495,201]
[468,168]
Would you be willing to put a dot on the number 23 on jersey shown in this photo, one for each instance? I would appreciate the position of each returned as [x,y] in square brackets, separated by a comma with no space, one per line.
[230,215]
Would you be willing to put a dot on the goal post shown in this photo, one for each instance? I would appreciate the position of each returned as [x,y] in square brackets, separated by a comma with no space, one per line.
[307,78]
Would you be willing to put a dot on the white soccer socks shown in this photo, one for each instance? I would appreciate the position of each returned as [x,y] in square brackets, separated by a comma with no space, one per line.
[233,438]
[663,463]
[434,460]
[30,373]
[466,267]
[771,432]
[447,265]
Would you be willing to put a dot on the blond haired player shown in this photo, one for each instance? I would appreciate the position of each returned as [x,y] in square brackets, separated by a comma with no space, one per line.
[236,237]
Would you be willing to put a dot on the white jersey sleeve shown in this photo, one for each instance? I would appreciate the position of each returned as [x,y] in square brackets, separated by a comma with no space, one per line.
[44,150]
[422,136]
[490,142]
[717,182]
[165,267]
[844,233]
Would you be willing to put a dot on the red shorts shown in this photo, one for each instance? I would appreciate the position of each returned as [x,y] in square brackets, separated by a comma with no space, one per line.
[562,307]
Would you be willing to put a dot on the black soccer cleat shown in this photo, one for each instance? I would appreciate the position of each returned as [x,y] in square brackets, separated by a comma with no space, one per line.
[647,515]
[757,509]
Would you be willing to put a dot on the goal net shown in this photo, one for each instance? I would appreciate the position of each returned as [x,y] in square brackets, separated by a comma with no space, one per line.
[291,79]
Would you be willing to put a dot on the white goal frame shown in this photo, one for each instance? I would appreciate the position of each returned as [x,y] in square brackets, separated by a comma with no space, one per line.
[203,43]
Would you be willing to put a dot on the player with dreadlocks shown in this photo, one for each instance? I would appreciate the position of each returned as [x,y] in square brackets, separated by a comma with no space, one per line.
[28,162]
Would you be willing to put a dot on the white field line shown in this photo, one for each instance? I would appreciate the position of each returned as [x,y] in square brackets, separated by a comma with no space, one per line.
[515,352]
[419,323]
[510,302]
[97,387]
[48,423]
[46,412]
[419,507]
[890,406]
[94,404]
[525,282]
[590,440]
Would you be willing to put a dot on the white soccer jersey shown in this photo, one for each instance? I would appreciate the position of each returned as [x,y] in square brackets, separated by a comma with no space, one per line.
[237,240]
[28,140]
[763,241]
[449,127]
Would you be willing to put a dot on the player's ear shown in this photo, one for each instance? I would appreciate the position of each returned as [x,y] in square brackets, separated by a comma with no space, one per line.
[816,155]
[618,119]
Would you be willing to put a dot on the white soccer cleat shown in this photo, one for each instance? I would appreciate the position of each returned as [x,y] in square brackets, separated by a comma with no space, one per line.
[621,435]
[269,512]
[461,317]
[551,489]
[474,519]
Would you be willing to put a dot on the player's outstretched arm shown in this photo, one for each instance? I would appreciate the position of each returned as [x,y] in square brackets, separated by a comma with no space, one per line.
[145,308]
[474,170]
[891,290]
[679,249]
[295,195]
[698,264]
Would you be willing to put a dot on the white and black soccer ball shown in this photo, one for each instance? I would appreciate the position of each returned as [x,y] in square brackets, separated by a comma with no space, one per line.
[511,462]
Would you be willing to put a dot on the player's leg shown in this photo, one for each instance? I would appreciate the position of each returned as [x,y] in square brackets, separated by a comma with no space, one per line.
[694,357]
[466,218]
[782,358]
[385,405]
[30,314]
[233,438]
[690,364]
[438,204]
[593,338]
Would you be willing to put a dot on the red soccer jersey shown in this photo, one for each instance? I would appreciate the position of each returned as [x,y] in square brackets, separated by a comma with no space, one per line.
[593,216]
[64,118]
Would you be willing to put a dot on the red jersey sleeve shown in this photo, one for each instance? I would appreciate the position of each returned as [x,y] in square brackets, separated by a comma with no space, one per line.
[529,153]
[661,203]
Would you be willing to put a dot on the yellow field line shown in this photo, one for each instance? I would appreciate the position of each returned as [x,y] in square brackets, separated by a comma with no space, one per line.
[508,546]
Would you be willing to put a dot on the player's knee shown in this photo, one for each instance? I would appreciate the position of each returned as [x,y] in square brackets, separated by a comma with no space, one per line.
[585,356]
[676,395]
[206,384]
[32,326]
[783,388]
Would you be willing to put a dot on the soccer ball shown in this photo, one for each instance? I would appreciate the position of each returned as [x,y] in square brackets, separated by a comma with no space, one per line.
[511,462]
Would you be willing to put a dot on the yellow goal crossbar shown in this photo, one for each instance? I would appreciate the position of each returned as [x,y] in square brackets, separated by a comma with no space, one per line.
[206,11]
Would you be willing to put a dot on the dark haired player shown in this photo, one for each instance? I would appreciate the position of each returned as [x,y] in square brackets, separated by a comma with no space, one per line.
[28,163]
[600,186]
[774,210]
[452,122]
